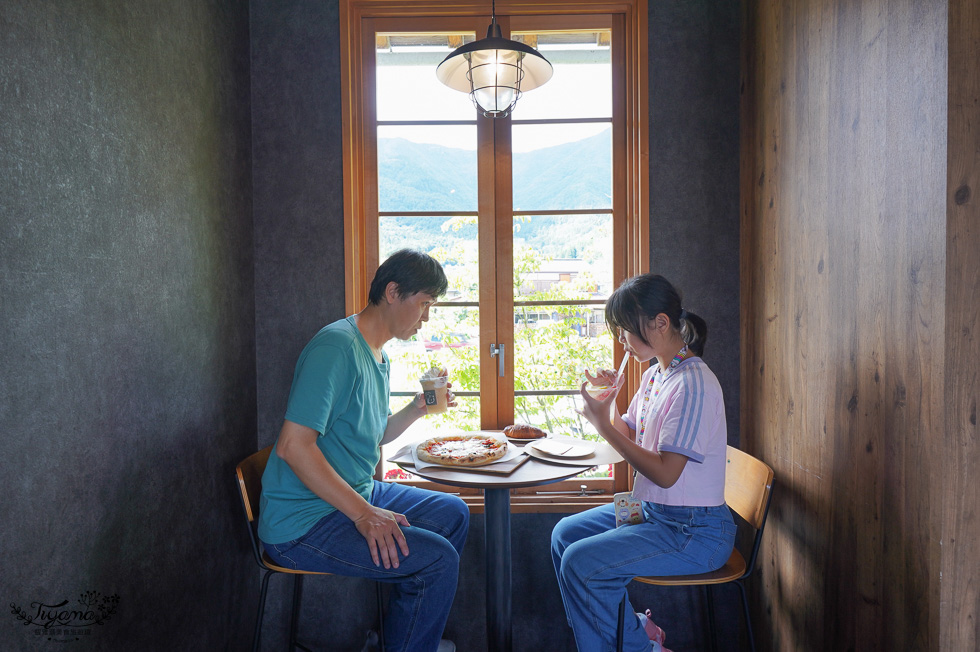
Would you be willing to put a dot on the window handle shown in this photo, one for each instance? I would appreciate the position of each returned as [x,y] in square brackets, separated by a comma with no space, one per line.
[497,350]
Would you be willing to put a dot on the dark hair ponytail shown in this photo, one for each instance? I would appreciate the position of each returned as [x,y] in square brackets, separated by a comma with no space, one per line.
[694,332]
[645,296]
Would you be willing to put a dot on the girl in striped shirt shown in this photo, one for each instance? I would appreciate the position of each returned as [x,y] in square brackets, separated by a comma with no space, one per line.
[674,437]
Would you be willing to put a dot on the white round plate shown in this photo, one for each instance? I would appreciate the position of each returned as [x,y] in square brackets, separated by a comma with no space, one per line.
[563,449]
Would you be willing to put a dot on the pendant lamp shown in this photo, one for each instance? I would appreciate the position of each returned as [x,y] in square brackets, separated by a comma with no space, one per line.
[494,71]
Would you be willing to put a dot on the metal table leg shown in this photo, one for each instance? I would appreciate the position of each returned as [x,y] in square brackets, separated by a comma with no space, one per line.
[497,540]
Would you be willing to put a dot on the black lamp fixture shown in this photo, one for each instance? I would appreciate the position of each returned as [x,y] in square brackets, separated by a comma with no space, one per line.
[494,71]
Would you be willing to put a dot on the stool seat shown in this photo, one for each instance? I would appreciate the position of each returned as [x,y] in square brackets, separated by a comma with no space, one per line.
[248,475]
[748,492]
[733,569]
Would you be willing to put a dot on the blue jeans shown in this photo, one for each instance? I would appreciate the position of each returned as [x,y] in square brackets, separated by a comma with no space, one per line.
[595,561]
[423,585]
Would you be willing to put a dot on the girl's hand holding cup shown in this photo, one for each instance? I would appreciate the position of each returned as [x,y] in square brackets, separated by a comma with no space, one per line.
[600,392]
[602,384]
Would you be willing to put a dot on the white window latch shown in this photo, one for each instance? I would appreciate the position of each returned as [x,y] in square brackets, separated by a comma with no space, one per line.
[497,350]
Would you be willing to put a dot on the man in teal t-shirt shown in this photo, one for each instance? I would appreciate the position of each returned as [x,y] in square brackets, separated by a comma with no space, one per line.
[321,509]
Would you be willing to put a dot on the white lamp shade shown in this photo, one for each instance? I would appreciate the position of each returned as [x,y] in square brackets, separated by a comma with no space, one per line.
[495,71]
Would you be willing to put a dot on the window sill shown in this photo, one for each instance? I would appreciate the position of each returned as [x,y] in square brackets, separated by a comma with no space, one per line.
[566,497]
[525,504]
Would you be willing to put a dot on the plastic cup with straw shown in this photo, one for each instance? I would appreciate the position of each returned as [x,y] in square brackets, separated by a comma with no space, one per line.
[602,392]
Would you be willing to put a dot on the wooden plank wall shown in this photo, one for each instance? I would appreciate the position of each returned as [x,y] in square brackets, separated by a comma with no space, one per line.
[960,586]
[846,362]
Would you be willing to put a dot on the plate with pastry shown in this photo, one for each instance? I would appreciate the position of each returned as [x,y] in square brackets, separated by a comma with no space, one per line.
[522,432]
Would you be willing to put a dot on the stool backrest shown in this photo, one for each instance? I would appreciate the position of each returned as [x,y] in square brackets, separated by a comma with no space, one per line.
[748,491]
[748,483]
[249,472]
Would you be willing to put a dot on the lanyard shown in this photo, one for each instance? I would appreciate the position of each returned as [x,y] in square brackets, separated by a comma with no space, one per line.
[654,386]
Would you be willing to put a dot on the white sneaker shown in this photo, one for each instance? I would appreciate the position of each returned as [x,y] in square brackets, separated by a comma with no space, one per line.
[446,646]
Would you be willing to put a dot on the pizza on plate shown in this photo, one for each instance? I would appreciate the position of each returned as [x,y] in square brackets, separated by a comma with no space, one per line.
[461,450]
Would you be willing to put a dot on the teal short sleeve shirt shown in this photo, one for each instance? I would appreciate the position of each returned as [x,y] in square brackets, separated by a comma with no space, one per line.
[342,392]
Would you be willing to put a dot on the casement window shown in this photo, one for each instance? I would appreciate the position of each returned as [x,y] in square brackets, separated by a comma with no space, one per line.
[536,217]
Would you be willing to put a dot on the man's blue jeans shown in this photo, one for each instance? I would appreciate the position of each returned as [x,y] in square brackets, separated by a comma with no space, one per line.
[423,585]
[595,561]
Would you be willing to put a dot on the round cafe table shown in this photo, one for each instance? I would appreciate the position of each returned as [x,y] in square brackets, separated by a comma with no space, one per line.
[496,492]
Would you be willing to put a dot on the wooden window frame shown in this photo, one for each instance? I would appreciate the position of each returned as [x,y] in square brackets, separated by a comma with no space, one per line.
[631,194]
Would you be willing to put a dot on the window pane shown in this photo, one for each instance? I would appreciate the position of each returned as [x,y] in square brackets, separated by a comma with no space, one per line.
[558,260]
[563,263]
[553,248]
[450,339]
[582,83]
[555,344]
[427,168]
[564,166]
[407,88]
[558,415]
[450,240]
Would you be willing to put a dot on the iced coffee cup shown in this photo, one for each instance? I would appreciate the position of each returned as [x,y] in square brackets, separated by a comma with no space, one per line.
[434,389]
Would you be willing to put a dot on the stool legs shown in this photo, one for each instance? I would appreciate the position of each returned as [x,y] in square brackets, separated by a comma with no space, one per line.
[748,620]
[709,603]
[294,613]
[257,635]
[621,625]
[709,599]
[381,619]
[294,617]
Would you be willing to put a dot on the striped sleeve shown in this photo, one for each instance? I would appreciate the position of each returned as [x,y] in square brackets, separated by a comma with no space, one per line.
[685,415]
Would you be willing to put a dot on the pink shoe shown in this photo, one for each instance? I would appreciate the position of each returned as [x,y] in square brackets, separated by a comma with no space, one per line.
[654,633]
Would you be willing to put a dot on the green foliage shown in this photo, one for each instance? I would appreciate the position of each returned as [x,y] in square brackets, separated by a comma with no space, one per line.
[551,353]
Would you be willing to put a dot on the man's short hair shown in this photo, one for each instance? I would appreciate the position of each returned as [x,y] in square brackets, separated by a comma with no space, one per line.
[413,271]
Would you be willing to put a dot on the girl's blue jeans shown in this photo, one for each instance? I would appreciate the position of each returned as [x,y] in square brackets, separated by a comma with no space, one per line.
[595,561]
[423,585]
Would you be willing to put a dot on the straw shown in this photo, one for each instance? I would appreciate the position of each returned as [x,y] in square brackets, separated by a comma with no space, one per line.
[622,365]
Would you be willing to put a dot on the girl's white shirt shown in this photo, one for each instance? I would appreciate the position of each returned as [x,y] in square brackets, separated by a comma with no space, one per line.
[684,413]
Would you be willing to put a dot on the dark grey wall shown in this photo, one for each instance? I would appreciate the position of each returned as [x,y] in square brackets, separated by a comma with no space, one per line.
[299,258]
[694,101]
[694,174]
[298,204]
[127,348]
[299,192]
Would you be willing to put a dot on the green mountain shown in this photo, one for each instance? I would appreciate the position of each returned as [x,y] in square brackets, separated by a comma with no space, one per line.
[426,177]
